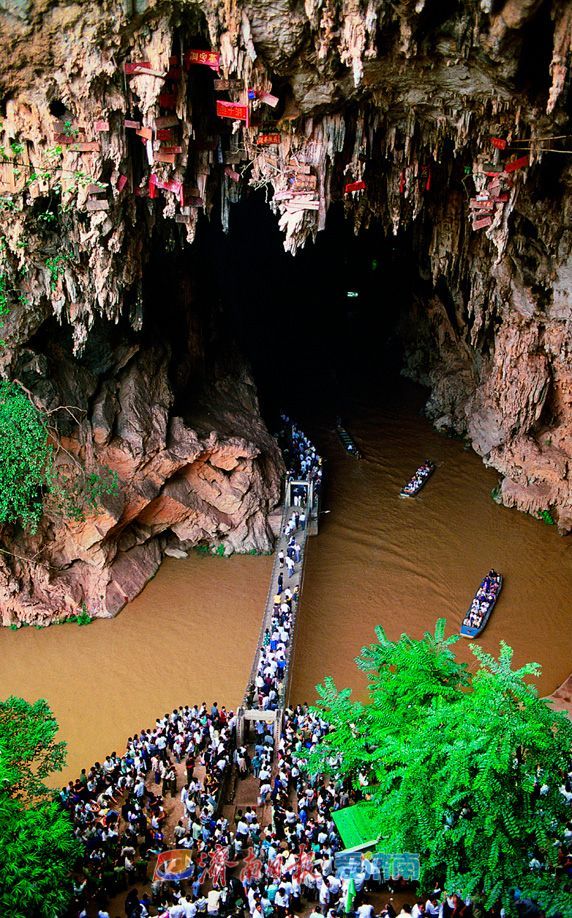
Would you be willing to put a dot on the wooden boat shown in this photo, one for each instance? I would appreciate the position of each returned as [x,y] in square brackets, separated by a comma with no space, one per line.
[482,605]
[421,477]
[347,441]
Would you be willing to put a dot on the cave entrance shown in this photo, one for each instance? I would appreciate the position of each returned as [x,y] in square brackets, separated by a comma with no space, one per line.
[327,321]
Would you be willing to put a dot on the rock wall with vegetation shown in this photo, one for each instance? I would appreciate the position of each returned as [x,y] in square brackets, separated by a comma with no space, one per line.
[122,122]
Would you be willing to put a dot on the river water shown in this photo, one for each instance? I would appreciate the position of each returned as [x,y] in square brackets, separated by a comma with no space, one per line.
[378,559]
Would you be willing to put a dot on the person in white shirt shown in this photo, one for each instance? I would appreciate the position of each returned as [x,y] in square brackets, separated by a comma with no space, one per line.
[365,910]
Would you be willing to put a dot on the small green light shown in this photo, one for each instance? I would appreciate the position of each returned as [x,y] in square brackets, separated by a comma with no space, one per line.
[374,264]
[352,293]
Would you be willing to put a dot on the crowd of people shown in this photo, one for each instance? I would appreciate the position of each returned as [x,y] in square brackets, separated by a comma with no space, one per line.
[300,455]
[241,866]
[273,656]
[485,597]
[270,861]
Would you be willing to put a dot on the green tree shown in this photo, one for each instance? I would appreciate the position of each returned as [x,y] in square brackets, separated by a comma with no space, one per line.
[37,846]
[454,764]
[25,457]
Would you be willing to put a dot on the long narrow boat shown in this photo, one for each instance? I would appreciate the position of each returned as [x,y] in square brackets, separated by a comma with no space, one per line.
[421,477]
[348,442]
[482,605]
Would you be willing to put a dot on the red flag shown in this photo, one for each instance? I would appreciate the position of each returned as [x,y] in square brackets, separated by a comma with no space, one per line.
[499,142]
[232,110]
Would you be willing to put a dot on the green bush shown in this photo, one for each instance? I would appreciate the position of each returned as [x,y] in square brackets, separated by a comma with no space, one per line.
[546,517]
[25,458]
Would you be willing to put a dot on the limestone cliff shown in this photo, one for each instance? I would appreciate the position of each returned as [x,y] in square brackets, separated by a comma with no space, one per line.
[124,121]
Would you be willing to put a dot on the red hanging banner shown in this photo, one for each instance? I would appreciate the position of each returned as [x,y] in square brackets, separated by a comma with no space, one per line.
[355,186]
[499,142]
[134,66]
[232,110]
[207,58]
[267,140]
[519,163]
[171,185]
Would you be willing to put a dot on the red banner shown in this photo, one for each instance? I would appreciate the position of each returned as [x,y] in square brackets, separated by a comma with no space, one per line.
[207,58]
[232,110]
[167,100]
[355,186]
[499,142]
[519,163]
[171,185]
[266,140]
[134,66]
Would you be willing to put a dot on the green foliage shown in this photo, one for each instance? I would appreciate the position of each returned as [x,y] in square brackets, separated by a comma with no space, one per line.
[546,517]
[450,762]
[56,267]
[29,751]
[68,130]
[37,846]
[29,481]
[25,457]
[82,618]
[219,551]
[72,494]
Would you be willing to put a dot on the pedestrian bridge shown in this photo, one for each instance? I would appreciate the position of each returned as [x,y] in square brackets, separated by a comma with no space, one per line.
[301,496]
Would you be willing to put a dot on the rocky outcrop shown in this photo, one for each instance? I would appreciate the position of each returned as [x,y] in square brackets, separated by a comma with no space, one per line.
[182,483]
[445,125]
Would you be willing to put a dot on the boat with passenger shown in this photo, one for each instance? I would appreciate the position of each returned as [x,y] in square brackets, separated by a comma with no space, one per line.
[420,478]
[347,440]
[482,605]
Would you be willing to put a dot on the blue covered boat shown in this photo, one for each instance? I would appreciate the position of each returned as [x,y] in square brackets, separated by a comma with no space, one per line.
[482,605]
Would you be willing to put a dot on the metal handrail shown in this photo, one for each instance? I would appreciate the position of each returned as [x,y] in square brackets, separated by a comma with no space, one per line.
[267,609]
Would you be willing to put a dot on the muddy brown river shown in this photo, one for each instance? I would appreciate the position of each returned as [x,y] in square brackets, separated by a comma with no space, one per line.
[378,559]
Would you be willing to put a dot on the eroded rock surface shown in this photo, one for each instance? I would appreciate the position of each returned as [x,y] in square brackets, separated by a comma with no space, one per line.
[211,481]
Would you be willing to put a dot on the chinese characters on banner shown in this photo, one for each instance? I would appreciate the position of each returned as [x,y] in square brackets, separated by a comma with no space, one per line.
[208,58]
[377,866]
[234,110]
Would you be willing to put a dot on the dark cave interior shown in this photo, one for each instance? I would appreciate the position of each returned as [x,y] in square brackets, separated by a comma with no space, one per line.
[325,320]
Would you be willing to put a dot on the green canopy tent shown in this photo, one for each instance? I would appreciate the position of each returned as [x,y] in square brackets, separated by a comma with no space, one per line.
[356,826]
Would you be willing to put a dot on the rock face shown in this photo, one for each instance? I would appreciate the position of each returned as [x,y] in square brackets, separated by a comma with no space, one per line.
[445,125]
[209,481]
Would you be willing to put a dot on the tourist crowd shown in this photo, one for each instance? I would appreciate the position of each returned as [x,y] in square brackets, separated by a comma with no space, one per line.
[301,456]
[269,861]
